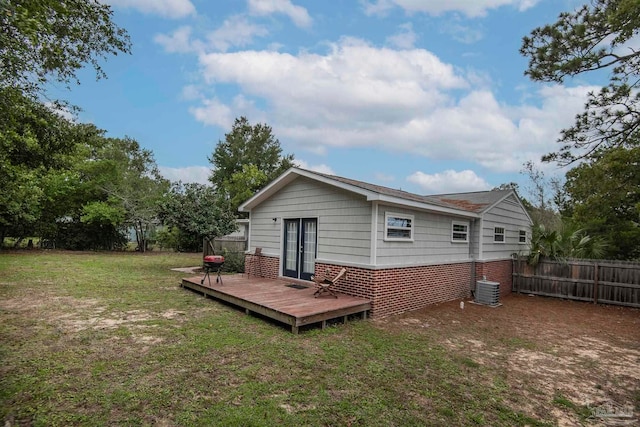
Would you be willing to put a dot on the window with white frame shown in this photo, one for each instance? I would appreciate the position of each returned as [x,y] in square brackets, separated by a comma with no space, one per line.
[522,236]
[459,231]
[398,226]
[498,234]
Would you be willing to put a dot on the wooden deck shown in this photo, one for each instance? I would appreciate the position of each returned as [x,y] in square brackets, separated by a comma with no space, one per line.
[275,300]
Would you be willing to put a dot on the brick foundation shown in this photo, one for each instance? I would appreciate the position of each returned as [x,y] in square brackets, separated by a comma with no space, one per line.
[396,290]
[261,266]
[497,271]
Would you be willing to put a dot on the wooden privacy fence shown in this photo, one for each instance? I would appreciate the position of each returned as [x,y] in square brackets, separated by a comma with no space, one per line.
[598,281]
[231,244]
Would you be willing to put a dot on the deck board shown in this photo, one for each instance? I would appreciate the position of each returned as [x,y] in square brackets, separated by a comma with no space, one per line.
[273,299]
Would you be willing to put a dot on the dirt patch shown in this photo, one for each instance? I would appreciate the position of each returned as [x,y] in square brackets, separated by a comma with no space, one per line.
[74,315]
[560,357]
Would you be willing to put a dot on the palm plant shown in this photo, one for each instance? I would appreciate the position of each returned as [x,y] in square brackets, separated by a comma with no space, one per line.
[565,242]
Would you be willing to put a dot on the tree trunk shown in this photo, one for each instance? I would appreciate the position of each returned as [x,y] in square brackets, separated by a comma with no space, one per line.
[17,243]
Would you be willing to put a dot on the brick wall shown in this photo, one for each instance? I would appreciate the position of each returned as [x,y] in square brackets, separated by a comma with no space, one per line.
[261,266]
[396,290]
[497,271]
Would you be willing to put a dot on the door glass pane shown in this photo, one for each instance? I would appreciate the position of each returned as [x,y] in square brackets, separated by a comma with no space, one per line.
[292,246]
[308,260]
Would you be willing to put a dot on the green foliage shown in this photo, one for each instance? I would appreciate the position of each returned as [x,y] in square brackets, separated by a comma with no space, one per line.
[98,212]
[248,158]
[36,146]
[174,238]
[198,211]
[566,242]
[233,261]
[44,40]
[594,37]
[603,196]
[135,184]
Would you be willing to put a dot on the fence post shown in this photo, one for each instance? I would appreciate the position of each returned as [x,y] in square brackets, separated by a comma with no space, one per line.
[595,282]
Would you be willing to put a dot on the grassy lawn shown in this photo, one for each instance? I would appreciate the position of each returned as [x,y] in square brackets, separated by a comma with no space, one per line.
[111,339]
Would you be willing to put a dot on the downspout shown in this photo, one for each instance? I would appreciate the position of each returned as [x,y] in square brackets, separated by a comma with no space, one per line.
[472,255]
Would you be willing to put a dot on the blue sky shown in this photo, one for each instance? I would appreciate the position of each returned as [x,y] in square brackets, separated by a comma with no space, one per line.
[424,95]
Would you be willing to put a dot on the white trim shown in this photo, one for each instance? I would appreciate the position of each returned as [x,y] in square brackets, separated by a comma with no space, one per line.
[374,233]
[526,236]
[422,206]
[411,228]
[504,234]
[481,239]
[392,266]
[249,234]
[292,173]
[467,232]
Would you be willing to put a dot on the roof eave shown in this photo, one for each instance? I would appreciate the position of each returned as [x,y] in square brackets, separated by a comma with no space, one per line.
[423,206]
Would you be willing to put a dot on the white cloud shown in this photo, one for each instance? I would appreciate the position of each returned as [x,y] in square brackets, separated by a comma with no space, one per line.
[408,101]
[213,112]
[449,181]
[470,8]
[191,93]
[62,111]
[321,168]
[179,41]
[297,14]
[167,8]
[463,33]
[383,177]
[196,174]
[235,31]
[405,38]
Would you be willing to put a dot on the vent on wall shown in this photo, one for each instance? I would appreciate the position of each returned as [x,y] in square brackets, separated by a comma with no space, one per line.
[487,293]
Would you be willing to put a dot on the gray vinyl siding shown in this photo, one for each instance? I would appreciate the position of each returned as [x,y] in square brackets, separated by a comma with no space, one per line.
[510,215]
[344,220]
[431,241]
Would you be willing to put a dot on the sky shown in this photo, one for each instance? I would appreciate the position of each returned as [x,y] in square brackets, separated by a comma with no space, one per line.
[428,96]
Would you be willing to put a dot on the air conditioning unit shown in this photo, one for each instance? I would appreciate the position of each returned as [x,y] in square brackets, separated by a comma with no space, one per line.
[487,293]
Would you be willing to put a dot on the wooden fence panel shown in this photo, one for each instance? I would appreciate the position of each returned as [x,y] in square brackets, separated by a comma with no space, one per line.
[598,281]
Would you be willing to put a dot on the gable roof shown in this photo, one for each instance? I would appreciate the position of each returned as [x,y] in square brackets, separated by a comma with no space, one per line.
[463,204]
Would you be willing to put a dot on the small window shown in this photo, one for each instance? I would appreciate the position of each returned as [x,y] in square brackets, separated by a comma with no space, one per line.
[398,227]
[522,237]
[459,231]
[498,234]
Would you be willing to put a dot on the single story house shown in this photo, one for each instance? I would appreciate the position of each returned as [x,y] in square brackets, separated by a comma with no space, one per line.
[403,251]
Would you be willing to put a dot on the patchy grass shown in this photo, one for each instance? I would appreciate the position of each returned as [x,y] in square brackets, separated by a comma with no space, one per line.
[111,339]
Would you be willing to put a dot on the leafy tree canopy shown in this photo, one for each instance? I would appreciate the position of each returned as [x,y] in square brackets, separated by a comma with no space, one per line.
[594,37]
[603,196]
[44,40]
[197,210]
[249,157]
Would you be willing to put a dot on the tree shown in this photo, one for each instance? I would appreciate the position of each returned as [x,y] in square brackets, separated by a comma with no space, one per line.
[198,211]
[35,146]
[248,158]
[137,186]
[565,242]
[544,195]
[603,197]
[44,40]
[594,37]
